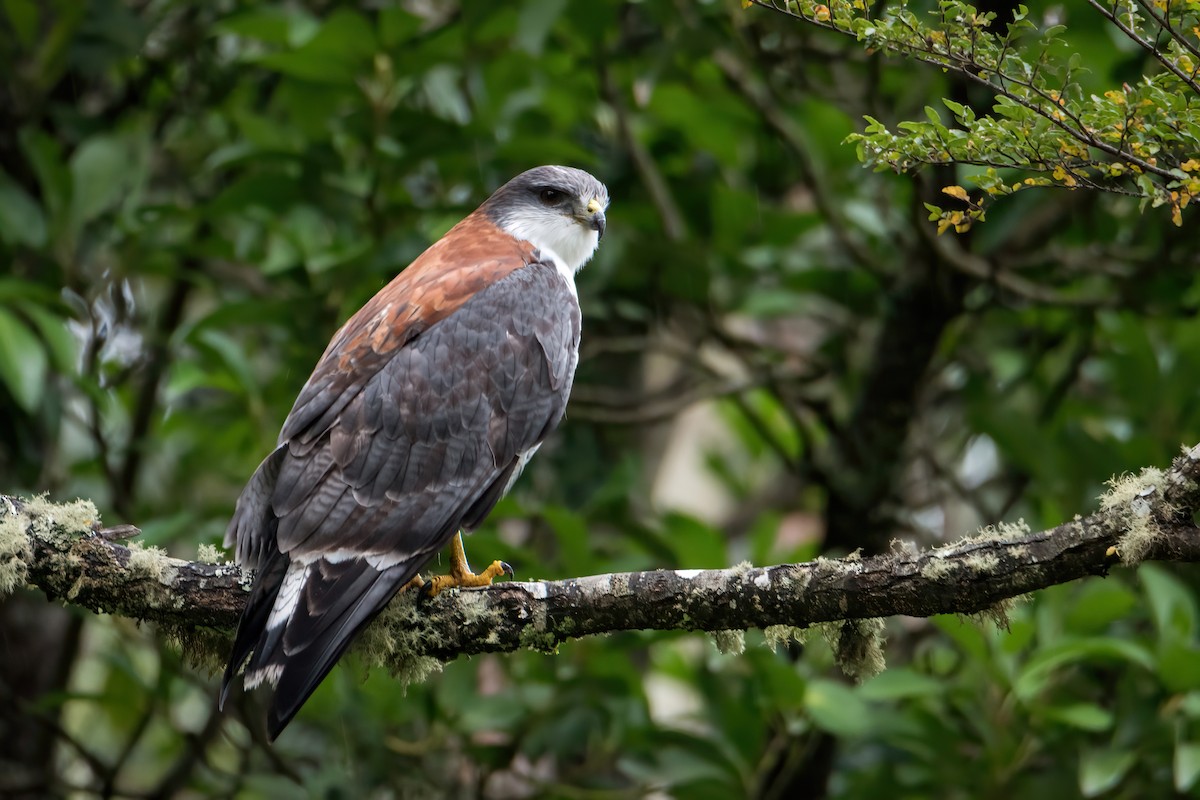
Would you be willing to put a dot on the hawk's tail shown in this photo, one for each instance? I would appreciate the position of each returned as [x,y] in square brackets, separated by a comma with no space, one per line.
[303,622]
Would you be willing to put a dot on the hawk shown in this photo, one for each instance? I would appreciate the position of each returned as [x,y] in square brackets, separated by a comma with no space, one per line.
[417,419]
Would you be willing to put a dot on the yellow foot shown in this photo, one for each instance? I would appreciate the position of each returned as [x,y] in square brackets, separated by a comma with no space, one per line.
[460,572]
[440,583]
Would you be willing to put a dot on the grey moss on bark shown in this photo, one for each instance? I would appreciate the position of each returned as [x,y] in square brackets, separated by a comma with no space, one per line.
[62,550]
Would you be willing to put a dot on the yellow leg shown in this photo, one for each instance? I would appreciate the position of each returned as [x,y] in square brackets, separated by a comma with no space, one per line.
[460,571]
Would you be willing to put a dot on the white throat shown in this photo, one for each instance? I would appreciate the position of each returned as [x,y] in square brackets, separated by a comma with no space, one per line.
[560,239]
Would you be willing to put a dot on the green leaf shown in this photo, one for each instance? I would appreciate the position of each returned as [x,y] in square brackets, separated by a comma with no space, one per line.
[967,635]
[232,356]
[397,25]
[1097,604]
[836,708]
[1177,665]
[534,22]
[695,544]
[274,191]
[957,108]
[60,343]
[21,219]
[1040,670]
[900,683]
[443,92]
[339,52]
[1085,716]
[99,168]
[1100,769]
[45,156]
[570,536]
[1186,765]
[338,255]
[677,765]
[23,16]
[1171,603]
[271,24]
[22,361]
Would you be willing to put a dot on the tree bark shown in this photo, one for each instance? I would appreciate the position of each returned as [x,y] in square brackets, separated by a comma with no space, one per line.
[62,550]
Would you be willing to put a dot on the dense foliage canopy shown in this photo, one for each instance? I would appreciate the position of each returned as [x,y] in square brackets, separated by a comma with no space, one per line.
[782,358]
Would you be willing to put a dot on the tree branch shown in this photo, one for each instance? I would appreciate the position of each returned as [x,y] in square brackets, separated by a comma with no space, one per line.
[60,549]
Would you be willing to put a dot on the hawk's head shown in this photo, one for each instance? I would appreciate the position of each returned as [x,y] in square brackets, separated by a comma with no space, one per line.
[557,209]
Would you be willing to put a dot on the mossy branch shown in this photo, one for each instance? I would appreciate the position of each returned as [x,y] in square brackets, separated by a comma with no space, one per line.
[61,549]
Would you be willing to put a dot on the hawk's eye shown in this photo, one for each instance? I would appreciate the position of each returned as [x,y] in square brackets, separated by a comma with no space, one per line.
[550,196]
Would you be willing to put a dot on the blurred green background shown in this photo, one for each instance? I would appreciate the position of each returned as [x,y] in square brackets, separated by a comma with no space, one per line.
[780,360]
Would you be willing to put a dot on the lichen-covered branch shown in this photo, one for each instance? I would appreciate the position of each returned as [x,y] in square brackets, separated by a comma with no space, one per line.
[61,549]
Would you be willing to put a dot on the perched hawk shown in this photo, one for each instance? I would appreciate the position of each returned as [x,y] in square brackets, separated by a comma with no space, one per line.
[415,422]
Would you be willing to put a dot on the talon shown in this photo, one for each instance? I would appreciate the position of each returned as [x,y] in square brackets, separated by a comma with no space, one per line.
[461,575]
[417,582]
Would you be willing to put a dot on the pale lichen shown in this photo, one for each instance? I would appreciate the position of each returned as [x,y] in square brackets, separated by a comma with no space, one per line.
[776,636]
[945,560]
[937,567]
[151,562]
[857,645]
[398,639]
[210,554]
[1013,530]
[37,518]
[1123,489]
[998,613]
[982,562]
[203,648]
[538,639]
[58,523]
[732,642]
[1000,532]
[1129,496]
[14,549]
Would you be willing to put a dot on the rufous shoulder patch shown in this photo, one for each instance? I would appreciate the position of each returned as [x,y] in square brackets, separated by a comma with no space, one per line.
[472,255]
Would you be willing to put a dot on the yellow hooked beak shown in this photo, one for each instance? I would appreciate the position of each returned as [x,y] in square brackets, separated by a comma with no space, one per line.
[596,214]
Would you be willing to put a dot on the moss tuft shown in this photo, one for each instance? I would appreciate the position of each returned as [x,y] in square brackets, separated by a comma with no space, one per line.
[54,523]
[998,614]
[730,642]
[1124,489]
[61,521]
[210,554]
[937,567]
[535,637]
[982,562]
[777,636]
[397,639]
[203,648]
[857,646]
[1129,496]
[14,549]
[151,562]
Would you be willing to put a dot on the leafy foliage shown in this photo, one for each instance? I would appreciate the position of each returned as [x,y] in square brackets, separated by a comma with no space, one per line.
[1048,120]
[780,360]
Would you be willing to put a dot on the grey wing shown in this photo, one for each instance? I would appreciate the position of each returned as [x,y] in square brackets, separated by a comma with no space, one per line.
[424,446]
